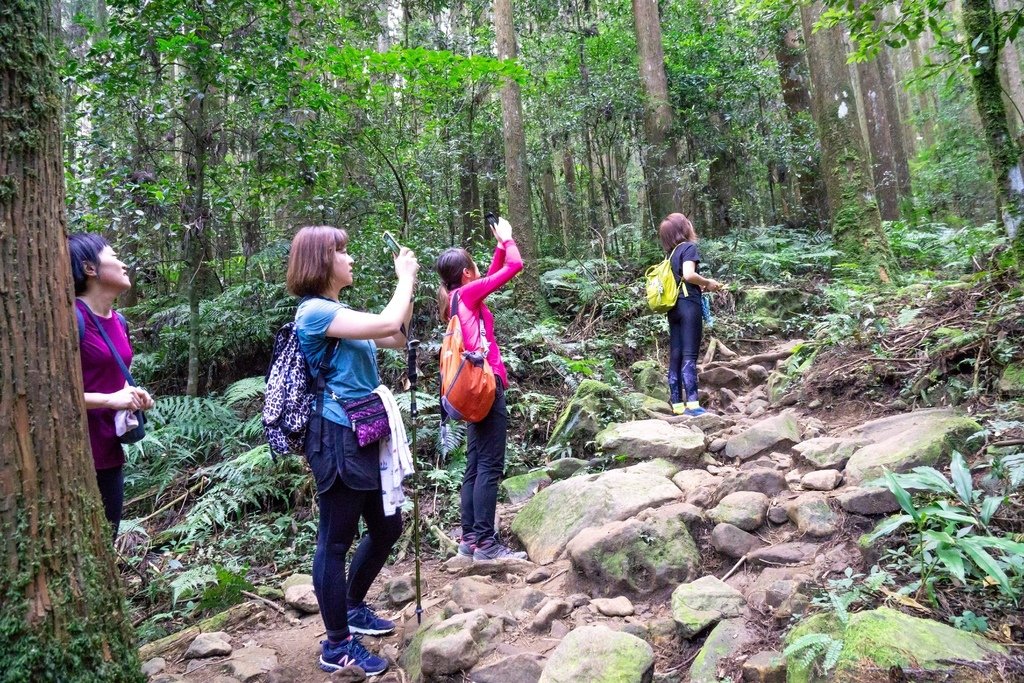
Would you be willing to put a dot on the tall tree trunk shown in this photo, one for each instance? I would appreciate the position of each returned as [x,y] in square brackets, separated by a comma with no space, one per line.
[1004,153]
[660,159]
[856,223]
[797,97]
[549,196]
[891,90]
[925,103]
[572,219]
[516,174]
[883,164]
[63,614]
[1009,58]
[620,167]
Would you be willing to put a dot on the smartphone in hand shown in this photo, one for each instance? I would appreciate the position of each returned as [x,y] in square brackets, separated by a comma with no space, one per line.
[491,220]
[391,243]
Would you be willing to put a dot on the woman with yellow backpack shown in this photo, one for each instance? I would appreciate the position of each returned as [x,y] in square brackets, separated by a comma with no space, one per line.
[685,318]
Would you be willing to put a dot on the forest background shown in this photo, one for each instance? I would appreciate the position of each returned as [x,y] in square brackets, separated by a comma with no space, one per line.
[856,154]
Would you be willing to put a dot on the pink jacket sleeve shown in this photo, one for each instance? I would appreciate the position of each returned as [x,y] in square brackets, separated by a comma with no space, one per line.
[506,265]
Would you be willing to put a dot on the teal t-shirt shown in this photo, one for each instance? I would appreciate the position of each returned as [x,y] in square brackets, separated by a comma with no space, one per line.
[354,365]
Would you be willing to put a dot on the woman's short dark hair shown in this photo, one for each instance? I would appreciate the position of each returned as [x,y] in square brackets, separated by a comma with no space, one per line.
[84,248]
[450,265]
[674,230]
[311,261]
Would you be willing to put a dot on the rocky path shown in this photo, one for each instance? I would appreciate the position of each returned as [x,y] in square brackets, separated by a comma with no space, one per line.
[689,563]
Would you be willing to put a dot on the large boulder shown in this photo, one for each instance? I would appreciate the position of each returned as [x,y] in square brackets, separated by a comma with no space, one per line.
[442,648]
[878,640]
[728,638]
[640,555]
[772,433]
[743,509]
[704,602]
[649,439]
[554,516]
[826,452]
[650,378]
[594,405]
[902,442]
[597,654]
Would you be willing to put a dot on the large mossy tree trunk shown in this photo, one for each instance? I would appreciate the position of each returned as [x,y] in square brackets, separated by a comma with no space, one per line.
[980,21]
[63,615]
[660,159]
[796,95]
[856,223]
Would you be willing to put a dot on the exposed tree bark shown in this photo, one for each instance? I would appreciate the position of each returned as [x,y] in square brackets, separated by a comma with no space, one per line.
[796,95]
[516,173]
[572,211]
[925,103]
[660,158]
[549,196]
[856,223]
[1004,152]
[879,138]
[891,91]
[1009,59]
[620,165]
[63,614]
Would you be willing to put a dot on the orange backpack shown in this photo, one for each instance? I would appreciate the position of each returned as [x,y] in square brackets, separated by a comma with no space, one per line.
[467,380]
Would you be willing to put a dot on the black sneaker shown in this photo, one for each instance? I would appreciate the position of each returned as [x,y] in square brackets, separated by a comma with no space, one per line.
[362,619]
[347,653]
[497,551]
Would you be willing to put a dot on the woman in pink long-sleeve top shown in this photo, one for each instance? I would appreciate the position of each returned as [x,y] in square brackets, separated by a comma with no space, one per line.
[485,454]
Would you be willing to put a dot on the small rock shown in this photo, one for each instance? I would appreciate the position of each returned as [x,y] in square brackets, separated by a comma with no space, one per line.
[778,515]
[520,668]
[523,600]
[784,554]
[473,592]
[302,598]
[455,644]
[743,509]
[613,607]
[559,629]
[870,501]
[539,574]
[733,542]
[761,479]
[250,663]
[815,404]
[297,580]
[400,590]
[793,477]
[350,674]
[757,407]
[757,374]
[578,600]
[209,645]
[154,666]
[812,515]
[717,445]
[222,678]
[822,480]
[167,678]
[765,667]
[553,609]
[288,674]
[563,468]
[703,602]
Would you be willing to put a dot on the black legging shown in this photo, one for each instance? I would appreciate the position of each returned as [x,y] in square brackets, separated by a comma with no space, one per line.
[340,509]
[685,328]
[111,483]
[485,463]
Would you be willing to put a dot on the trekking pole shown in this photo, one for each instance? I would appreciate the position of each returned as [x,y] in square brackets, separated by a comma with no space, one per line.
[410,346]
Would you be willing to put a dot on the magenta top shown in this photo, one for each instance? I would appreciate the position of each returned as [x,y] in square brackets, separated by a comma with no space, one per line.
[472,309]
[101,374]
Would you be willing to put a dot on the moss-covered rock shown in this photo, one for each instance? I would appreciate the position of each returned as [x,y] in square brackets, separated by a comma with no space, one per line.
[876,640]
[593,406]
[1011,383]
[699,604]
[652,439]
[650,378]
[776,432]
[554,516]
[641,555]
[563,468]
[926,437]
[441,648]
[597,654]
[521,488]
[729,637]
[650,403]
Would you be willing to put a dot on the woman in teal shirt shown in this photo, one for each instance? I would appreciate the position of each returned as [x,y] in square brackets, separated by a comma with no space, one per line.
[347,475]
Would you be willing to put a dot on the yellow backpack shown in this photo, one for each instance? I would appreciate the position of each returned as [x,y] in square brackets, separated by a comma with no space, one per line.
[662,286]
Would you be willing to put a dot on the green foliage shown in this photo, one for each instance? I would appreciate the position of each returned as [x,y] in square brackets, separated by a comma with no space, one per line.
[770,254]
[953,534]
[970,622]
[809,648]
